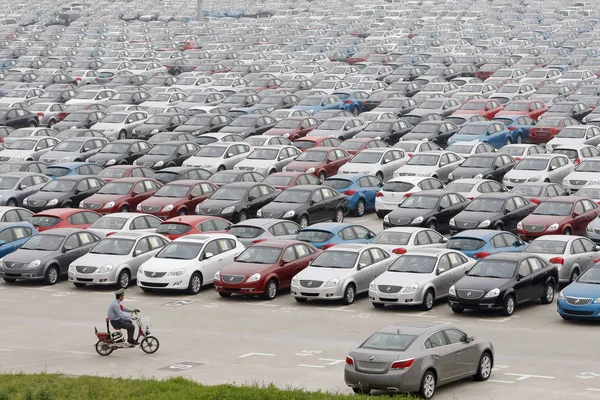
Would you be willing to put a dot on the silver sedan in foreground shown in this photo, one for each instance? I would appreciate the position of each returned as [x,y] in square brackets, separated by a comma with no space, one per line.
[417,357]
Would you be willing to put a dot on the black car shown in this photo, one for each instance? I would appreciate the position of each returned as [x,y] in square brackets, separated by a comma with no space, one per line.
[404,73]
[18,117]
[238,201]
[571,109]
[121,152]
[167,175]
[434,131]
[250,125]
[408,89]
[430,208]
[165,155]
[46,80]
[484,165]
[501,281]
[224,177]
[307,204]
[204,123]
[501,211]
[240,100]
[63,192]
[415,120]
[536,192]
[23,166]
[159,123]
[83,119]
[388,130]
[397,105]
[163,137]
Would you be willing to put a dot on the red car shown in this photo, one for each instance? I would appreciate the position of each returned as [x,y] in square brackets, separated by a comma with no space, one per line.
[177,198]
[532,108]
[193,224]
[322,162]
[293,127]
[121,195]
[264,83]
[484,107]
[64,218]
[310,142]
[125,171]
[356,145]
[559,215]
[265,268]
[284,180]
[547,128]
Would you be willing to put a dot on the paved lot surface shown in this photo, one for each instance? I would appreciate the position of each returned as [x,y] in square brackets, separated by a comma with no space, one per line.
[214,340]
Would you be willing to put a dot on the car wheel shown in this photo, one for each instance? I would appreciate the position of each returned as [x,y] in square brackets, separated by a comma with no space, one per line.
[11,203]
[499,227]
[519,139]
[381,215]
[484,370]
[432,225]
[270,290]
[547,180]
[221,168]
[428,300]
[574,275]
[51,123]
[508,141]
[242,216]
[182,212]
[123,280]
[548,296]
[300,299]
[508,307]
[427,389]
[224,294]
[355,110]
[458,310]
[303,221]
[378,305]
[68,204]
[339,215]
[122,135]
[349,294]
[379,176]
[51,276]
[360,208]
[195,284]
[79,284]
[568,231]
[322,176]
[9,280]
[32,124]
[124,208]
[361,391]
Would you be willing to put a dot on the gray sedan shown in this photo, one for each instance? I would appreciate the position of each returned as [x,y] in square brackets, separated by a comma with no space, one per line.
[417,357]
[16,186]
[74,149]
[252,230]
[116,259]
[28,149]
[268,159]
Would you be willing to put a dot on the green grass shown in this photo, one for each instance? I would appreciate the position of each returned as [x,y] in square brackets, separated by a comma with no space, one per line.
[59,387]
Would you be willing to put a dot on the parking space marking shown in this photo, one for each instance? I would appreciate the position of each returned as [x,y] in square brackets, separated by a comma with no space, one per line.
[342,309]
[263,304]
[182,366]
[311,366]
[257,354]
[498,381]
[179,303]
[423,314]
[497,320]
[522,377]
[593,390]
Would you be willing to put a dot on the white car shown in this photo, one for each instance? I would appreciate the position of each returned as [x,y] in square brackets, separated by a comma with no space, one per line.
[412,147]
[164,99]
[219,157]
[380,162]
[466,149]
[189,262]
[402,239]
[437,164]
[471,188]
[92,96]
[539,168]
[573,135]
[120,125]
[125,222]
[396,190]
[586,173]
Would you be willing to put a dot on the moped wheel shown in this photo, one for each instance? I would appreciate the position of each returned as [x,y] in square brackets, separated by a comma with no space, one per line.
[149,345]
[103,348]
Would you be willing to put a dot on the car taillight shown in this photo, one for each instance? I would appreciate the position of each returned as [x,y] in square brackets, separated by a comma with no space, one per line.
[40,114]
[511,128]
[399,250]
[348,101]
[482,254]
[77,78]
[410,155]
[597,260]
[257,241]
[110,234]
[576,161]
[379,194]
[407,195]
[557,260]
[471,198]
[327,246]
[402,364]
[518,158]
[536,201]
[349,360]
[349,192]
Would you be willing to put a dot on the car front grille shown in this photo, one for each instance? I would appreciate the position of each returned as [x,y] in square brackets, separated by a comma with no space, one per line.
[272,214]
[232,278]
[4,158]
[515,180]
[150,209]
[246,168]
[210,210]
[400,221]
[534,228]
[93,206]
[86,270]
[311,284]
[151,274]
[406,174]
[309,294]
[14,264]
[389,288]
[36,203]
[467,224]
[85,280]
[154,284]
[577,182]
[577,312]
[50,160]
[470,294]
[578,301]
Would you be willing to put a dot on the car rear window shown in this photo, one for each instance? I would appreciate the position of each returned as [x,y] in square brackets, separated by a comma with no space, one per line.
[246,232]
[388,341]
[173,229]
[465,244]
[166,176]
[45,221]
[314,236]
[397,187]
[337,183]
[57,171]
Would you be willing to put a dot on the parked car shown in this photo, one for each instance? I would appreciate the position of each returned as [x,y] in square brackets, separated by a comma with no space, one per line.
[13,235]
[539,168]
[576,301]
[63,218]
[121,195]
[176,227]
[120,152]
[328,234]
[124,222]
[361,190]
[176,198]
[17,186]
[165,155]
[480,243]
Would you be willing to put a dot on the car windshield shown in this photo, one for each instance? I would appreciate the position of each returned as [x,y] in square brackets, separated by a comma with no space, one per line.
[337,183]
[546,247]
[312,156]
[76,117]
[115,148]
[114,119]
[109,222]
[22,145]
[246,232]
[260,255]
[293,196]
[366,157]
[394,238]
[158,120]
[200,120]
[403,146]
[335,259]
[465,244]
[378,127]
[426,128]
[474,130]
[432,105]
[572,133]
[176,191]
[63,186]
[211,151]
[478,162]
[110,246]
[527,190]
[180,250]
[532,164]
[112,173]
[424,202]
[118,188]
[424,160]
[43,242]
[588,166]
[314,236]
[388,341]
[397,187]
[68,147]
[494,269]
[476,105]
[460,187]
[591,276]
[7,182]
[263,154]
[555,208]
[163,150]
[232,194]
[414,264]
[331,125]
[486,205]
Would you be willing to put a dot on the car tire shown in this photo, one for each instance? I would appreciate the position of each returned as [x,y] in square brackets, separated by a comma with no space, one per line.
[428,382]
[508,141]
[195,284]
[68,204]
[124,208]
[484,369]
[51,275]
[33,124]
[51,123]
[568,231]
[242,216]
[123,280]
[221,168]
[498,227]
[270,290]
[457,310]
[78,284]
[224,294]
[182,212]
[378,305]
[349,294]
[303,221]
[322,176]
[574,275]
[11,203]
[122,135]
[360,208]
[9,280]
[519,139]
[381,215]
[379,176]
[548,296]
[339,215]
[428,300]
[300,299]
[432,225]
[508,305]
[355,110]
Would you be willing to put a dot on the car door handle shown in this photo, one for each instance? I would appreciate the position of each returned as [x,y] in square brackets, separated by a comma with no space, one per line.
[220,259]
[458,353]
[435,357]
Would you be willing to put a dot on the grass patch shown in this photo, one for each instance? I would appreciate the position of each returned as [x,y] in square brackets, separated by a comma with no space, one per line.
[58,387]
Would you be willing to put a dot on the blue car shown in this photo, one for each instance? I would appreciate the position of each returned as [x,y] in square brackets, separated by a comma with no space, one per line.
[581,299]
[354,100]
[361,190]
[519,125]
[316,103]
[72,168]
[480,243]
[328,234]
[13,235]
[492,132]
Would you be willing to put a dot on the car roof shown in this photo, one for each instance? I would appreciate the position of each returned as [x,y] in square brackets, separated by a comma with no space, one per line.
[277,243]
[205,236]
[330,226]
[72,164]
[508,256]
[190,219]
[61,231]
[62,212]
[566,199]
[564,238]
[259,222]
[477,234]
[414,328]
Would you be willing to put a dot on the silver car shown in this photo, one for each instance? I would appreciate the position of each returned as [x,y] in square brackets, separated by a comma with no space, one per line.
[437,164]
[399,240]
[14,214]
[255,230]
[417,357]
[125,222]
[47,112]
[115,259]
[28,133]
[578,134]
[340,273]
[380,162]
[268,159]
[539,168]
[586,173]
[17,186]
[571,254]
[342,128]
[419,278]
[120,125]
[28,149]
[219,157]
[74,149]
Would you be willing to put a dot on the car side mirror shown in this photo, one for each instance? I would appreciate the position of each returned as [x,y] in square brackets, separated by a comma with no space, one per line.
[441,270]
[283,262]
[551,168]
[251,198]
[311,202]
[229,155]
[597,248]
[506,211]
[137,253]
[2,242]
[65,249]
[468,339]
[361,266]
[440,208]
[21,187]
[519,277]
[576,215]
[208,255]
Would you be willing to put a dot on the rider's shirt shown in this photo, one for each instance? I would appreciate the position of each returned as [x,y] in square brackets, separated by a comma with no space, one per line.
[115,313]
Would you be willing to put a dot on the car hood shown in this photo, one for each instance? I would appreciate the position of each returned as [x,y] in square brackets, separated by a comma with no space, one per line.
[580,176]
[546,220]
[100,126]
[253,163]
[149,127]
[211,203]
[244,269]
[166,265]
[105,198]
[153,158]
[106,156]
[62,125]
[418,136]
[303,165]
[326,133]
[556,142]
[416,169]
[100,260]
[408,212]
[480,283]
[403,279]
[476,216]
[278,131]
[282,207]
[466,172]
[465,138]
[234,129]
[323,274]
[50,195]
[15,153]
[59,154]
[161,201]
[577,289]
[28,256]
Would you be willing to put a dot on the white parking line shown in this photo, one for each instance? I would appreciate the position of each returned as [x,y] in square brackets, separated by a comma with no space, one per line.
[593,390]
[311,366]
[263,304]
[498,381]
[343,309]
[257,354]
[522,377]
[423,314]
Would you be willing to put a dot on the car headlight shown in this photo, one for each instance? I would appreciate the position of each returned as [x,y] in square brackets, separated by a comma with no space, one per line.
[140,271]
[135,162]
[561,296]
[154,131]
[217,276]
[593,182]
[177,272]
[372,285]
[295,281]
[589,228]
[110,204]
[259,213]
[65,159]
[284,169]
[534,178]
[53,202]
[310,170]
[159,163]
[16,157]
[386,218]
[452,291]
[81,205]
[253,278]
[105,269]
[417,220]
[553,227]
[111,161]
[228,210]
[411,288]
[423,174]
[333,283]
[286,135]
[262,167]
[478,176]
[289,214]
[73,127]
[34,264]
[484,224]
[451,176]
[168,207]
[139,207]
[26,199]
[71,267]
[452,222]
[597,301]
[492,293]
